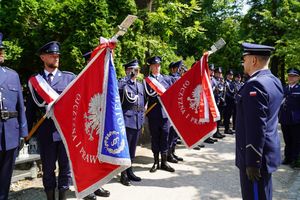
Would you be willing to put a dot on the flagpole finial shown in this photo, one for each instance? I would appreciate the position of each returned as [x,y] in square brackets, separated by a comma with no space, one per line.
[217,46]
[126,23]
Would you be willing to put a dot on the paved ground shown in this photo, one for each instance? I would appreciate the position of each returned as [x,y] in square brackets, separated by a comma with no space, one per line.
[208,174]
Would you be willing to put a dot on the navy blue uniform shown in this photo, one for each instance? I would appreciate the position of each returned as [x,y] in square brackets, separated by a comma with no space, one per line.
[133,105]
[229,100]
[289,117]
[158,121]
[173,137]
[257,139]
[51,147]
[12,128]
[237,87]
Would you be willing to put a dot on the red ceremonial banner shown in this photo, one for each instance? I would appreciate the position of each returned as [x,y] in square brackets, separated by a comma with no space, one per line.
[76,114]
[184,104]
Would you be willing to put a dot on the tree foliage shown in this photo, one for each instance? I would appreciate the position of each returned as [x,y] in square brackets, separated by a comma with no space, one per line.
[180,29]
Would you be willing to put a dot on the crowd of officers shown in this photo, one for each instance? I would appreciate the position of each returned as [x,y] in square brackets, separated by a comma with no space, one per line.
[139,100]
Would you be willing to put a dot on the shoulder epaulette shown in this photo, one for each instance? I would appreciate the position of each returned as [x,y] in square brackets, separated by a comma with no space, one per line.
[67,72]
[7,68]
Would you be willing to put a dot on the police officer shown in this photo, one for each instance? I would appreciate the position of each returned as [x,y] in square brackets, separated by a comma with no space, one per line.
[133,105]
[289,118]
[237,86]
[229,100]
[13,125]
[257,139]
[214,84]
[51,146]
[175,75]
[101,191]
[158,121]
[218,90]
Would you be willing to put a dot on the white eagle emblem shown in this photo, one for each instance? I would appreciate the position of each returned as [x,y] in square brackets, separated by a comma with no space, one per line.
[195,99]
[92,118]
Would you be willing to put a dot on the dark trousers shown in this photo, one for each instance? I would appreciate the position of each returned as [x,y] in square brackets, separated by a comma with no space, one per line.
[233,116]
[291,138]
[132,139]
[7,162]
[159,130]
[228,110]
[259,190]
[173,137]
[50,153]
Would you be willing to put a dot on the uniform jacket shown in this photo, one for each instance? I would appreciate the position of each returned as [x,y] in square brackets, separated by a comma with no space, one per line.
[230,91]
[133,110]
[12,100]
[157,112]
[257,139]
[290,109]
[47,130]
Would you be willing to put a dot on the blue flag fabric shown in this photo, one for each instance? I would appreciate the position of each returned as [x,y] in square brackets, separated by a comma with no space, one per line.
[114,147]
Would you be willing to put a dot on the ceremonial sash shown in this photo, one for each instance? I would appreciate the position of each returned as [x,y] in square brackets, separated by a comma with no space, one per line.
[155,85]
[44,90]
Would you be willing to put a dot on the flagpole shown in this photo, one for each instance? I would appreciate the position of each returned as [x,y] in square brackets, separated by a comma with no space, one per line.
[149,109]
[36,126]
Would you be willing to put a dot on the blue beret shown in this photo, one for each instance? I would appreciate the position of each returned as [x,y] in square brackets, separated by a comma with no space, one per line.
[132,64]
[50,47]
[211,67]
[293,71]
[87,55]
[1,44]
[257,49]
[154,60]
[176,64]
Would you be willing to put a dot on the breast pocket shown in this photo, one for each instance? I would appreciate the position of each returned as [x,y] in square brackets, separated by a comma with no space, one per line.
[12,91]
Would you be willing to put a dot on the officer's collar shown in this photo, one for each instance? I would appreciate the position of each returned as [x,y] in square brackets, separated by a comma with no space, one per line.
[258,72]
[54,72]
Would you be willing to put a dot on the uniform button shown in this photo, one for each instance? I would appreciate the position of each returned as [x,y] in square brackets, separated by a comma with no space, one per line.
[257,161]
[1,88]
[5,108]
[3,98]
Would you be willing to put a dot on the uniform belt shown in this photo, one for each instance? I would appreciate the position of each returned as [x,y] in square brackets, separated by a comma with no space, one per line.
[5,115]
[137,108]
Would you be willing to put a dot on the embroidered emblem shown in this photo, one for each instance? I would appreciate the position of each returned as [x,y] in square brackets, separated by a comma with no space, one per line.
[195,99]
[92,118]
[112,140]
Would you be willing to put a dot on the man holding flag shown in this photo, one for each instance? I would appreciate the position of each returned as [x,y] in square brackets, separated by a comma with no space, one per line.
[156,84]
[45,87]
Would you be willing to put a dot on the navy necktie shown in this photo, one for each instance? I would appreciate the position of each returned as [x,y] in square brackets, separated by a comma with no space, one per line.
[49,78]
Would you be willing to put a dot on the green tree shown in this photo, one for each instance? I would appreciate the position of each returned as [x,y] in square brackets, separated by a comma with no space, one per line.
[275,23]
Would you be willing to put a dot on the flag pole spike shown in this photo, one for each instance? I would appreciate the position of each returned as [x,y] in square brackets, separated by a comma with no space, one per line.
[217,46]
[123,27]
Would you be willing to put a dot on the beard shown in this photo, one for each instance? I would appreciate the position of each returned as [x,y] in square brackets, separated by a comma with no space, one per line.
[52,66]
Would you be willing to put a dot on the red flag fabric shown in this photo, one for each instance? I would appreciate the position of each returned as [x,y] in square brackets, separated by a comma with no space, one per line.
[190,105]
[79,115]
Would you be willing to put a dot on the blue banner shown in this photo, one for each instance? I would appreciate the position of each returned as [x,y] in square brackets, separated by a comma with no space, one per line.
[114,142]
